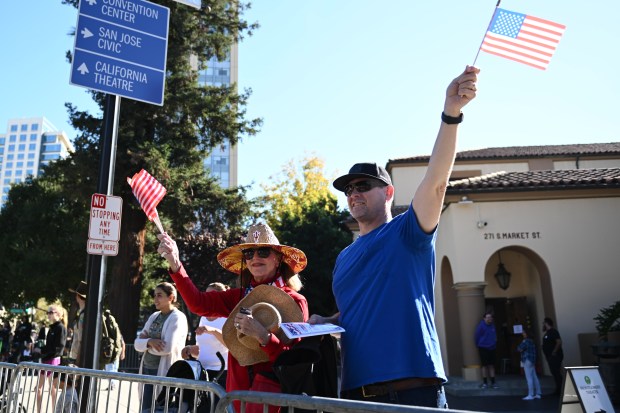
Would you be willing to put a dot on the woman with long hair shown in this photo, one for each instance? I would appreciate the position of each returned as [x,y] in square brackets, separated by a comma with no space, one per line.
[268,273]
[52,351]
[162,338]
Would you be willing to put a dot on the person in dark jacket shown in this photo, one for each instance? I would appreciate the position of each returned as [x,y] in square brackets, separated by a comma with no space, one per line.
[552,349]
[486,341]
[52,350]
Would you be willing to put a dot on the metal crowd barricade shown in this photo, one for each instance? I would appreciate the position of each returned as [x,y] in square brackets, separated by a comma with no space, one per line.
[318,404]
[8,388]
[34,387]
[131,362]
[101,391]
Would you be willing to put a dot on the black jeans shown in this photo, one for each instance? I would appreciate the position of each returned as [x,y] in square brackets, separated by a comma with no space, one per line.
[555,365]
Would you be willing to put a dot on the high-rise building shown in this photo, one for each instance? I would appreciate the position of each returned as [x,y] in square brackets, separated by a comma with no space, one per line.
[222,161]
[28,145]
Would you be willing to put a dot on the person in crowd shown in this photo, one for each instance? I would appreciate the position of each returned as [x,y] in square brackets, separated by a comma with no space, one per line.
[5,340]
[552,349]
[260,261]
[527,348]
[209,341]
[486,341]
[68,401]
[51,352]
[78,324]
[22,340]
[162,338]
[384,281]
[118,353]
[39,343]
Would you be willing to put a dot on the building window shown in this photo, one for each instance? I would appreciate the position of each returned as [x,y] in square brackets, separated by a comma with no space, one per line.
[13,128]
[31,156]
[33,137]
[29,172]
[7,181]
[8,173]
[19,173]
[52,148]
[32,147]
[10,157]
[8,165]
[11,148]
[51,157]
[13,138]
[19,156]
[30,164]
[22,137]
[24,127]
[34,126]
[19,164]
[2,141]
[50,139]
[21,147]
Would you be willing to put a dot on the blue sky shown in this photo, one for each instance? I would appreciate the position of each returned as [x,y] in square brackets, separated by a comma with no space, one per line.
[353,80]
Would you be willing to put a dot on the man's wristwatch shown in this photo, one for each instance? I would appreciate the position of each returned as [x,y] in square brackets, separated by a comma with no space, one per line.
[451,120]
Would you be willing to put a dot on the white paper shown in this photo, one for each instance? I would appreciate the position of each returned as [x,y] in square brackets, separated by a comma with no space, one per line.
[297,330]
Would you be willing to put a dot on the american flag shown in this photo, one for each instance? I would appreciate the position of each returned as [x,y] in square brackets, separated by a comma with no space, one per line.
[522,38]
[148,191]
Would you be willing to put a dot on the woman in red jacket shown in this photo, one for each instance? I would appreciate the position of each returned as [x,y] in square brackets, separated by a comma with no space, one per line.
[260,260]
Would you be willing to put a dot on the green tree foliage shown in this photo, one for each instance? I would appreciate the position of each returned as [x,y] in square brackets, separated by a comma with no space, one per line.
[304,214]
[43,227]
[168,141]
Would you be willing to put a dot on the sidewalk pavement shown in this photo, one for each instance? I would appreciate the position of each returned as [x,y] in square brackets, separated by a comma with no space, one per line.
[509,385]
[467,395]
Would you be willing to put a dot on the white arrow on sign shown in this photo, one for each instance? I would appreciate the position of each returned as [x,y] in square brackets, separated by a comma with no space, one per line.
[83,69]
[87,33]
[91,2]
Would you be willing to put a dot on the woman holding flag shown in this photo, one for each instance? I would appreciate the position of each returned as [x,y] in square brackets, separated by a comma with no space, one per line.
[268,273]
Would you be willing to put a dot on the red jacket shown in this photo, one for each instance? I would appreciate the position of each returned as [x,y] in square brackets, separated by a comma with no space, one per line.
[220,304]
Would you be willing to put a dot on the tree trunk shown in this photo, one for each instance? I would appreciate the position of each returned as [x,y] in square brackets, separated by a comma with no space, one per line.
[125,277]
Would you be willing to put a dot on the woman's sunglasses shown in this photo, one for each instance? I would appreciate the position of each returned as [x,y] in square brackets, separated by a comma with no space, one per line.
[362,186]
[262,252]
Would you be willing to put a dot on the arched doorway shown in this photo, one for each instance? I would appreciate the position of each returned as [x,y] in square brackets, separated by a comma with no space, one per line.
[526,301]
[522,305]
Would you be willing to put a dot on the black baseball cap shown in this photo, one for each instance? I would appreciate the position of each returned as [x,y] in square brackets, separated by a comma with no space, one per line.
[363,170]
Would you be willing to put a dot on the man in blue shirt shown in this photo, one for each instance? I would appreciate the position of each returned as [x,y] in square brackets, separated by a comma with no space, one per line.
[384,281]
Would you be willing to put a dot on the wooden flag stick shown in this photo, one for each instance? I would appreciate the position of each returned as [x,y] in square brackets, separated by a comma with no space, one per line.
[158,223]
[485,32]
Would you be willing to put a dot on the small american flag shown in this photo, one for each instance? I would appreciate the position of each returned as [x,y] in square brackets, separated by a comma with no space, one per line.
[522,38]
[149,193]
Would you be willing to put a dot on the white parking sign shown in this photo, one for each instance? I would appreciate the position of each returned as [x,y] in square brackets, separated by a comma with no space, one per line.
[105,224]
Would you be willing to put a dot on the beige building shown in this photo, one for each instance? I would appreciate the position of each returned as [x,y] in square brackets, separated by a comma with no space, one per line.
[551,215]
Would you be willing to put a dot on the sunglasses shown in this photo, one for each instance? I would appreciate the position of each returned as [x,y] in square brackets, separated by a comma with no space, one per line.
[51,312]
[362,186]
[262,252]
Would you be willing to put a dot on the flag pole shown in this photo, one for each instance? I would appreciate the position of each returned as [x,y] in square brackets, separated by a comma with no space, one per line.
[158,223]
[485,32]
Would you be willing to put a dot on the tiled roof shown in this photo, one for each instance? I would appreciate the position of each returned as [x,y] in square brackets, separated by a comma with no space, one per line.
[542,151]
[538,180]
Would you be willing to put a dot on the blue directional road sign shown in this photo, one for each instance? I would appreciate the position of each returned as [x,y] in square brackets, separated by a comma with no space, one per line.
[120,48]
